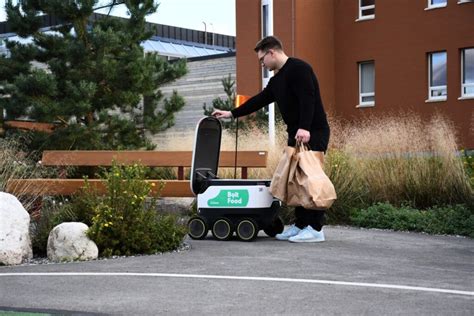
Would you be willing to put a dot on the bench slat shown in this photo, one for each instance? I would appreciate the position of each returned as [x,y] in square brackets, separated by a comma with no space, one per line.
[53,187]
[27,125]
[251,159]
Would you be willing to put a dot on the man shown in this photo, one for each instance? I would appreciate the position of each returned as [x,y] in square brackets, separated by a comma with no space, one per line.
[295,89]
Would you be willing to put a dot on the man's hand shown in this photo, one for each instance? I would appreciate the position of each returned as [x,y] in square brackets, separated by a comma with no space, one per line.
[302,135]
[221,114]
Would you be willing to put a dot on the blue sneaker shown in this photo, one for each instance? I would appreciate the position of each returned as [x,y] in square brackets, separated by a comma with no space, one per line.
[308,234]
[289,232]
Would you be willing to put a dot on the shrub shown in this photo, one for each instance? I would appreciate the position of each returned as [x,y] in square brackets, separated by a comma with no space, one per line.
[455,220]
[123,221]
[468,164]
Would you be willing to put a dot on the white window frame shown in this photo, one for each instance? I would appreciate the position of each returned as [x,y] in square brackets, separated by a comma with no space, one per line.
[366,94]
[362,9]
[465,1]
[465,85]
[267,75]
[266,30]
[436,88]
[436,6]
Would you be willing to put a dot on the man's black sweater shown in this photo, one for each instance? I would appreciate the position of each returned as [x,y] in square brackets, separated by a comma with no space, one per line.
[295,89]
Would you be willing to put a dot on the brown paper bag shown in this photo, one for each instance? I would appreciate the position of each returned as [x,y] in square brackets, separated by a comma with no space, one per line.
[299,179]
[279,184]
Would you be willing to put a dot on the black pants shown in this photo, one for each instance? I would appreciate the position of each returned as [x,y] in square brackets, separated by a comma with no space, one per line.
[304,217]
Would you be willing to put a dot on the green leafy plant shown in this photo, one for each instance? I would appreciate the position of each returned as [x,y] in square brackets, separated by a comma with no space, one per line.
[124,221]
[468,164]
[450,219]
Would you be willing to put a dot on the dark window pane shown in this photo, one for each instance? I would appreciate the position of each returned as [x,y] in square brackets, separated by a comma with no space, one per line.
[265,20]
[368,12]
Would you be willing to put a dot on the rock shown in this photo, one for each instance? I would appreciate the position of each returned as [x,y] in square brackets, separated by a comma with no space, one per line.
[15,242]
[69,242]
[178,206]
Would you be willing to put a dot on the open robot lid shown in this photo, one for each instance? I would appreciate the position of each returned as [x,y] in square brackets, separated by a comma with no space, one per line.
[207,145]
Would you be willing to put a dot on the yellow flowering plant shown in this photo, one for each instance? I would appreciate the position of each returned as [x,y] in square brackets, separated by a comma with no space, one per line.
[125,220]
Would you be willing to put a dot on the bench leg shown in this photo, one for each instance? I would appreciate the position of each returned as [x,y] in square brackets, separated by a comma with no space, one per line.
[244,172]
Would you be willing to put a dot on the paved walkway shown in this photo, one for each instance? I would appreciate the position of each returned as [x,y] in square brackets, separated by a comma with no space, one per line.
[368,272]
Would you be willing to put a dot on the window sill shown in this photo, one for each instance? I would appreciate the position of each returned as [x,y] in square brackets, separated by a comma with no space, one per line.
[365,18]
[436,100]
[463,2]
[369,105]
[467,97]
[436,7]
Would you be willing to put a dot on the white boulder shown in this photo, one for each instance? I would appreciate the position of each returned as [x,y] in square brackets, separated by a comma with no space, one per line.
[69,242]
[15,242]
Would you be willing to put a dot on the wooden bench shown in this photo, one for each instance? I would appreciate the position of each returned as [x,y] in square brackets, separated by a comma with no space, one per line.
[171,188]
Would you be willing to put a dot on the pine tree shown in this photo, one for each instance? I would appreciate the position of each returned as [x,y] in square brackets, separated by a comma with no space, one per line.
[94,76]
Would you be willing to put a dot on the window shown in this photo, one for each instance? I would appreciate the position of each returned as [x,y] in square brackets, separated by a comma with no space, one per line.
[267,29]
[366,9]
[437,90]
[366,83]
[467,73]
[432,4]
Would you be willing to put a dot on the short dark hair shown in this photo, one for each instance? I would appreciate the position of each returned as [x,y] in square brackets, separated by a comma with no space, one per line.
[269,42]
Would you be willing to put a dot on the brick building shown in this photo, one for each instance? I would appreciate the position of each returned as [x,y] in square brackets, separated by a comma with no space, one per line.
[371,56]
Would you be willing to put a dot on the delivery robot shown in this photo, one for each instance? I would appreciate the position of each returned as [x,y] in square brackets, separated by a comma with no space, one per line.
[225,206]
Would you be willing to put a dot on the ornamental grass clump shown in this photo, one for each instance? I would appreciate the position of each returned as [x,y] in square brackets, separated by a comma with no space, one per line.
[404,159]
[16,162]
[124,221]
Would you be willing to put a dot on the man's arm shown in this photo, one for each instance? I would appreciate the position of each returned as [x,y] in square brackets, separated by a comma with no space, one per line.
[303,86]
[305,89]
[221,114]
[255,103]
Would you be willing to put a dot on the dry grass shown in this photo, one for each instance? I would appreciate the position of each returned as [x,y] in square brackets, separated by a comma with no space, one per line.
[400,159]
[15,163]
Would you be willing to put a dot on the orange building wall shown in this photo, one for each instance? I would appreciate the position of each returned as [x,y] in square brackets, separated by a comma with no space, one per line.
[315,43]
[248,29]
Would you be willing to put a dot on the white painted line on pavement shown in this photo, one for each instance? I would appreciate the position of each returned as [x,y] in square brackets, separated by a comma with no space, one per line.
[245,278]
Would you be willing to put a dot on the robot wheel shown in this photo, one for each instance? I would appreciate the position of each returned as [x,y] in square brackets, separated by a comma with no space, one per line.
[197,227]
[222,229]
[247,229]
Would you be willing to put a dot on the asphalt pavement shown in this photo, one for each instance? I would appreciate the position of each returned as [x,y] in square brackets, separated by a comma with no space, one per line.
[355,272]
